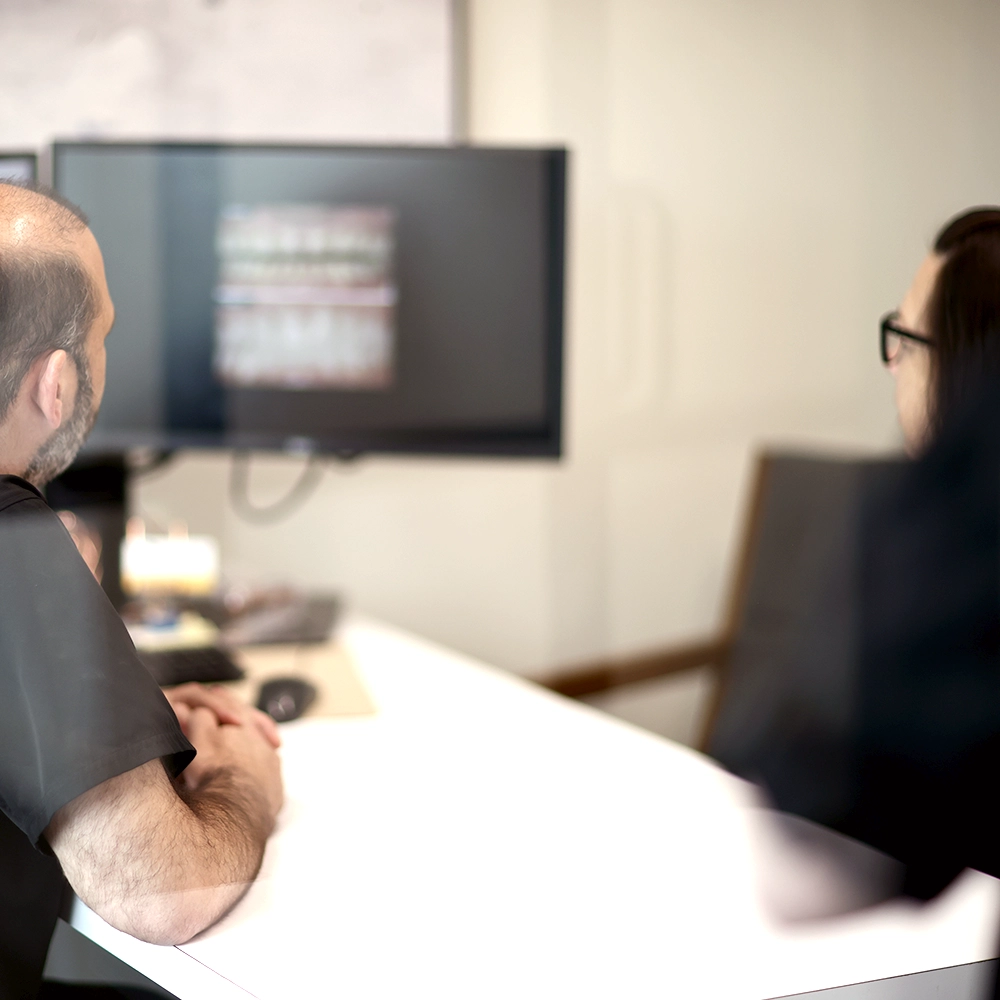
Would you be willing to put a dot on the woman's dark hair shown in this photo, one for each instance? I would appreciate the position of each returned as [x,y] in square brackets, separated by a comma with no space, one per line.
[963,313]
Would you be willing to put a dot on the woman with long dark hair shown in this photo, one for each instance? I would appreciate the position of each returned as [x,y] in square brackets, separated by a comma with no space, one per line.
[923,736]
[943,342]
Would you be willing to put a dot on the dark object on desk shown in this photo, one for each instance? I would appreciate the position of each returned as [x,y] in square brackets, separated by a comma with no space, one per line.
[285,698]
[94,488]
[269,618]
[204,664]
[296,620]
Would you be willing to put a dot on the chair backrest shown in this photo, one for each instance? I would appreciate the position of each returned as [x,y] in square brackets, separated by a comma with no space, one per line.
[794,612]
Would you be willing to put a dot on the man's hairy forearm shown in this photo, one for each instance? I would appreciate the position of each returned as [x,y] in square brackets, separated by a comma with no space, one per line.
[158,861]
[234,817]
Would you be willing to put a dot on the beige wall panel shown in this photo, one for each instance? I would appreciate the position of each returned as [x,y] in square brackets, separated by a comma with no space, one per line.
[752,185]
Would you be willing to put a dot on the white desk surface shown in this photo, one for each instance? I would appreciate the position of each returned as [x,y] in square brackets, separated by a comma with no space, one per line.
[479,837]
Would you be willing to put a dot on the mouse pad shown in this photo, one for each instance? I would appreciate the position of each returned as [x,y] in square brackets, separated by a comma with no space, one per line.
[327,666]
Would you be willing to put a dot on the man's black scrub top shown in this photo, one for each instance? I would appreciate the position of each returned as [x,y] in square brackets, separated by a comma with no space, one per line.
[76,708]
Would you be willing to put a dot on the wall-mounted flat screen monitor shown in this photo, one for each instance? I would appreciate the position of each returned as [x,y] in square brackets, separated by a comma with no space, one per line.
[330,299]
[18,167]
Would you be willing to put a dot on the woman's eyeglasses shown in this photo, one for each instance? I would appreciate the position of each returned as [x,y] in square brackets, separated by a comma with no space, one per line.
[892,335]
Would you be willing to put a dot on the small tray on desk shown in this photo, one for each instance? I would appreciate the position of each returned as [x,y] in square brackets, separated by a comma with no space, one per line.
[327,666]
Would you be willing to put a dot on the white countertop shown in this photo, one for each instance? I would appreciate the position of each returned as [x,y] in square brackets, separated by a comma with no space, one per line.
[480,837]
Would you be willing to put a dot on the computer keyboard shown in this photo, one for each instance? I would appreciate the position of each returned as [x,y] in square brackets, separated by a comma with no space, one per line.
[206,665]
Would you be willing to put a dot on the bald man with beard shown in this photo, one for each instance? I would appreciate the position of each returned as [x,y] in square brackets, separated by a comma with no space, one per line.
[154,808]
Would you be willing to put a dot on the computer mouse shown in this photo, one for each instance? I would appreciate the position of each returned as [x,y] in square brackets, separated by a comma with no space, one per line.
[285,698]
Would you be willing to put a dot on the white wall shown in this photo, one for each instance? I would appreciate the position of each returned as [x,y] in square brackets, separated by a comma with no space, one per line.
[752,185]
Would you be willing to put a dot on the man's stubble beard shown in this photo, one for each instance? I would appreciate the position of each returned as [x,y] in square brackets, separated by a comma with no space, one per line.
[57,454]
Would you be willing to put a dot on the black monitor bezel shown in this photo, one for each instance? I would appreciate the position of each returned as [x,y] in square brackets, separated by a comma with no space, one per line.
[542,441]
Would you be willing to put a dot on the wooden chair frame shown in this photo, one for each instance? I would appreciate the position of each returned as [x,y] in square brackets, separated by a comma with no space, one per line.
[713,651]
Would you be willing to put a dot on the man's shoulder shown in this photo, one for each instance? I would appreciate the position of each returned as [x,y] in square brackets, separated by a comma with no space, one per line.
[15,491]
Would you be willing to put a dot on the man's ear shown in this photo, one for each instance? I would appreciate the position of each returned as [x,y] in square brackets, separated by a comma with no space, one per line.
[53,387]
